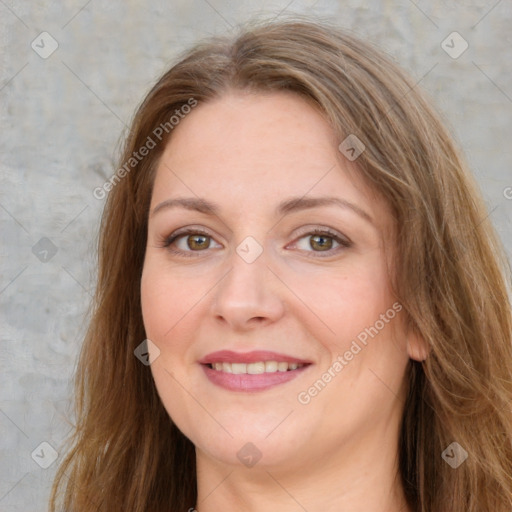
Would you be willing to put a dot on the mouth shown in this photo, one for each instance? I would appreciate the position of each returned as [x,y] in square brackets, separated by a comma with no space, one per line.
[253,371]
[256,368]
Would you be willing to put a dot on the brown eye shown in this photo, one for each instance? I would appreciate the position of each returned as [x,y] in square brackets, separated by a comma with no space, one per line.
[198,242]
[188,242]
[321,242]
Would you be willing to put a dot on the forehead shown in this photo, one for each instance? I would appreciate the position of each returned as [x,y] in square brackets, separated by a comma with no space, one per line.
[250,150]
[262,128]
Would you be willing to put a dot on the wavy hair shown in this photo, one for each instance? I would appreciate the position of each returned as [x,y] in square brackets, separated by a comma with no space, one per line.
[452,278]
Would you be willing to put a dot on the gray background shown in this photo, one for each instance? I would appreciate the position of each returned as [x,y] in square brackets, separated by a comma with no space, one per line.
[62,118]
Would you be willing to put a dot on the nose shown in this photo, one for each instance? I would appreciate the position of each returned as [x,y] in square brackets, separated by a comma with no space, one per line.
[249,295]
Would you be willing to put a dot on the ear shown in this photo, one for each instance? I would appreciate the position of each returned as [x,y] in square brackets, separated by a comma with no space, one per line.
[417,348]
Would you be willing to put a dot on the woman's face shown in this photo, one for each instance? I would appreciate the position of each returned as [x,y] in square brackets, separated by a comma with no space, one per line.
[260,261]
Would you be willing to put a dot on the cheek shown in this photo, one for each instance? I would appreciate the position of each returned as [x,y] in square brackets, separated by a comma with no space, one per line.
[173,307]
[340,305]
[165,304]
[155,296]
[165,300]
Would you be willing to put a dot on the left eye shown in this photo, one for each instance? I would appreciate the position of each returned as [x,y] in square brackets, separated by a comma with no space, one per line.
[321,242]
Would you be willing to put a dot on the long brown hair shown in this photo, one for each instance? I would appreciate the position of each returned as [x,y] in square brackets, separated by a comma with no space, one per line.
[451,277]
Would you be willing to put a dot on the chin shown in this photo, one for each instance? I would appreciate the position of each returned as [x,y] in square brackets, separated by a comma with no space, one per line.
[253,443]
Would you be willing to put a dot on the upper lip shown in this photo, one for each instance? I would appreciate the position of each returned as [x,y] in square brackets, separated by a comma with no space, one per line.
[228,356]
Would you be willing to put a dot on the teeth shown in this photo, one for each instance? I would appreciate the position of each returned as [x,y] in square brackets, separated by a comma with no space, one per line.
[282,367]
[271,366]
[238,367]
[256,368]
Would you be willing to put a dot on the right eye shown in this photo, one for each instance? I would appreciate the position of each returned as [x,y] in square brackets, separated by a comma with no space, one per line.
[187,242]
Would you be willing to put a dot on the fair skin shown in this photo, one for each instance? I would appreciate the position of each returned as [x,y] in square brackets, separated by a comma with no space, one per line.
[247,153]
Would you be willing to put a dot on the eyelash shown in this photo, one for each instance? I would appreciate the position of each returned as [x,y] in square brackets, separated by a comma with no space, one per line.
[343,243]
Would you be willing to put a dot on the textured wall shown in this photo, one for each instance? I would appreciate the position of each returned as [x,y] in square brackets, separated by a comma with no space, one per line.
[62,115]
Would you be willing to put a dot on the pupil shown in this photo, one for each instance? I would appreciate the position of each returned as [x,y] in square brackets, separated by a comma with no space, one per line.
[194,238]
[322,244]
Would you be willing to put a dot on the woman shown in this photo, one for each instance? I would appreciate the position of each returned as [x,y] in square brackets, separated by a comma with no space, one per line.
[301,302]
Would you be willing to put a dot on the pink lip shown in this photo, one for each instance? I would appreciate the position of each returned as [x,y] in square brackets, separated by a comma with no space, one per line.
[228,356]
[247,382]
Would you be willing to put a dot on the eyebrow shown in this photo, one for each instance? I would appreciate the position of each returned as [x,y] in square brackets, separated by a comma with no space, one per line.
[290,205]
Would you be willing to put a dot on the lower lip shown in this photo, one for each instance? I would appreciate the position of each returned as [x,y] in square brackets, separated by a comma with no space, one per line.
[250,382]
